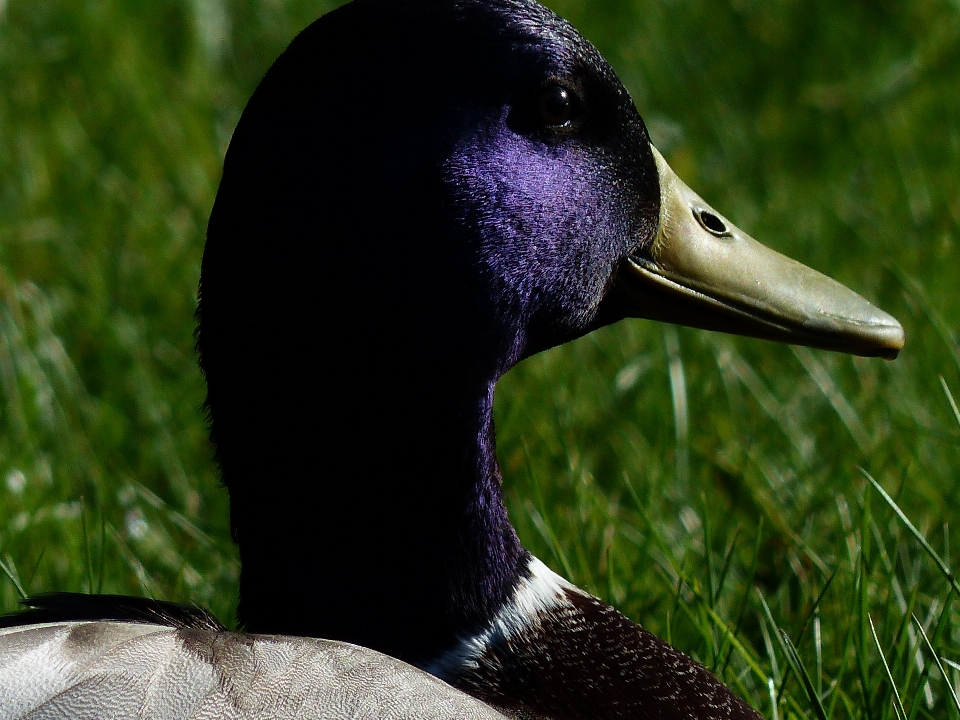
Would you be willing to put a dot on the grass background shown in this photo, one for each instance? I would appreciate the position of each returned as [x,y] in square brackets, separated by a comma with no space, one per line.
[710,487]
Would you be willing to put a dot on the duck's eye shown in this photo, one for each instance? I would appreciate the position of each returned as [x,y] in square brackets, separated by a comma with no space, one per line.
[555,105]
[711,223]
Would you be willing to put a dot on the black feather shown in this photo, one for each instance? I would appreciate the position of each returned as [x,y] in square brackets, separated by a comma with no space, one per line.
[70,607]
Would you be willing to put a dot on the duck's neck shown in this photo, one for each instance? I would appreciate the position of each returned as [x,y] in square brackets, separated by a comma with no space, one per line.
[384,525]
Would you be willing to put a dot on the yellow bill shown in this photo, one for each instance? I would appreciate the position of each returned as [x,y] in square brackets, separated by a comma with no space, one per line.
[704,272]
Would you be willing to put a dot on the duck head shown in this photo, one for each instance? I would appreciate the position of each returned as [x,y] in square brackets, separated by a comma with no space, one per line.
[472,178]
[420,194]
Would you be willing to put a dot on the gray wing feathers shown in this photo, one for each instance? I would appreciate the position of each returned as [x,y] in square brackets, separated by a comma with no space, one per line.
[127,671]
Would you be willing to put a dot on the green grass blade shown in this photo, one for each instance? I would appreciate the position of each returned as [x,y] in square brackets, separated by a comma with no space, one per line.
[953,403]
[901,713]
[801,672]
[10,570]
[913,531]
[936,658]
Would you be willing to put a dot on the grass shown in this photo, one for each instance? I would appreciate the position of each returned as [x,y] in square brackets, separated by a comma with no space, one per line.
[782,514]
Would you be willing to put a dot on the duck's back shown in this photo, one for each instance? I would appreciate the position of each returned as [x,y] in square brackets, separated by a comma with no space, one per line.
[123,670]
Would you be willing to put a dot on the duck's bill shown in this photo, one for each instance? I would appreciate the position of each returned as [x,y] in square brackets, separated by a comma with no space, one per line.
[704,272]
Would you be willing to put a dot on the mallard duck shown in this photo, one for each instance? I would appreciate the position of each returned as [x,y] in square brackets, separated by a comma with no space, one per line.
[420,194]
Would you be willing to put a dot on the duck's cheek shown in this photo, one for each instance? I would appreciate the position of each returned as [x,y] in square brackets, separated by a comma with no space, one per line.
[544,222]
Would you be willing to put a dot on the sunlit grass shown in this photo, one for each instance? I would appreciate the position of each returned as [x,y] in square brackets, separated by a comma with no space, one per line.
[716,489]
